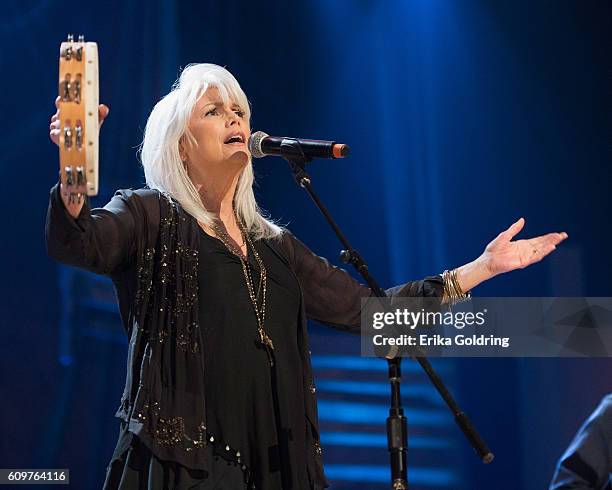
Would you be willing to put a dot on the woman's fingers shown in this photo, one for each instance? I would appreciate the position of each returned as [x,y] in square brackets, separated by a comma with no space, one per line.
[540,254]
[549,239]
[543,245]
[103,111]
[54,134]
[54,126]
[512,230]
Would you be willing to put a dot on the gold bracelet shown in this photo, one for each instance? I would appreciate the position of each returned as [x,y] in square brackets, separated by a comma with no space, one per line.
[452,293]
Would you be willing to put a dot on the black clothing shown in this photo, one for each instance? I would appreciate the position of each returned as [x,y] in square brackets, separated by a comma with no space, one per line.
[251,406]
[243,393]
[587,462]
[137,468]
[149,246]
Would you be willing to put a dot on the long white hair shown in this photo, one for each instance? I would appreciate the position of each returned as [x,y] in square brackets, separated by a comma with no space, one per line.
[168,125]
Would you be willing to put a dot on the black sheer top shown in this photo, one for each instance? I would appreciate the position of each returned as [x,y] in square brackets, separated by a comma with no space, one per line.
[254,412]
[251,406]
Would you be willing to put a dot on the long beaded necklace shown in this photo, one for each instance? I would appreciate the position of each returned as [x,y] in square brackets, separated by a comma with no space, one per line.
[260,309]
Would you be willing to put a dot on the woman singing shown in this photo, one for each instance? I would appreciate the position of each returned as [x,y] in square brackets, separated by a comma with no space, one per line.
[214,299]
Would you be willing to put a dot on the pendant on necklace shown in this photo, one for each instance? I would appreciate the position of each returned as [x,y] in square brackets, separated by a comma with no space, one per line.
[268,345]
[265,340]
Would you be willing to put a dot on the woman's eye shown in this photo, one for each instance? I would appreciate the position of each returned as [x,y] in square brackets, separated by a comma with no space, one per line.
[239,112]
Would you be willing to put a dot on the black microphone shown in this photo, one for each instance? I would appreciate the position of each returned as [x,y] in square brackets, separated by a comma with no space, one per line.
[260,145]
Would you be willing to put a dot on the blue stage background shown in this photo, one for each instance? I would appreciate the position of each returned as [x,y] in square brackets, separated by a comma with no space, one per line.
[462,117]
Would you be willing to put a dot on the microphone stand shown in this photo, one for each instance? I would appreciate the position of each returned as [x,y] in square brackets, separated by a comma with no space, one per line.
[397,425]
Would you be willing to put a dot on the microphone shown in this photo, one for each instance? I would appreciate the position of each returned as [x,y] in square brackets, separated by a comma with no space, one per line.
[260,145]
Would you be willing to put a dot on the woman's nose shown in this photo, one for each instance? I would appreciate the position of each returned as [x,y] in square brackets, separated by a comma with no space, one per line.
[232,118]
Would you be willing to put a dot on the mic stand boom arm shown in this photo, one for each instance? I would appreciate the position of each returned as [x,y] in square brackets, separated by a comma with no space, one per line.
[397,430]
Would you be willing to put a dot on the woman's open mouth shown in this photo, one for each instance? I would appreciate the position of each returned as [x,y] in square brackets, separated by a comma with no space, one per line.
[235,139]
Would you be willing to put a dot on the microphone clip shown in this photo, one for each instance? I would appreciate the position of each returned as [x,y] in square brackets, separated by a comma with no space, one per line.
[294,154]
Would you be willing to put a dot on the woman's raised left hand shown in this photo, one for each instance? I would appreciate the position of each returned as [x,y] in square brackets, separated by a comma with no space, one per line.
[504,255]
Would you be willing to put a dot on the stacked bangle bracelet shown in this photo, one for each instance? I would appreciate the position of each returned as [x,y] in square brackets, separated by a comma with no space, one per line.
[452,290]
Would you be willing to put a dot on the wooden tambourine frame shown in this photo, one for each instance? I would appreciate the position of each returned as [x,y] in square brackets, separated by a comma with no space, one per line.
[78,114]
